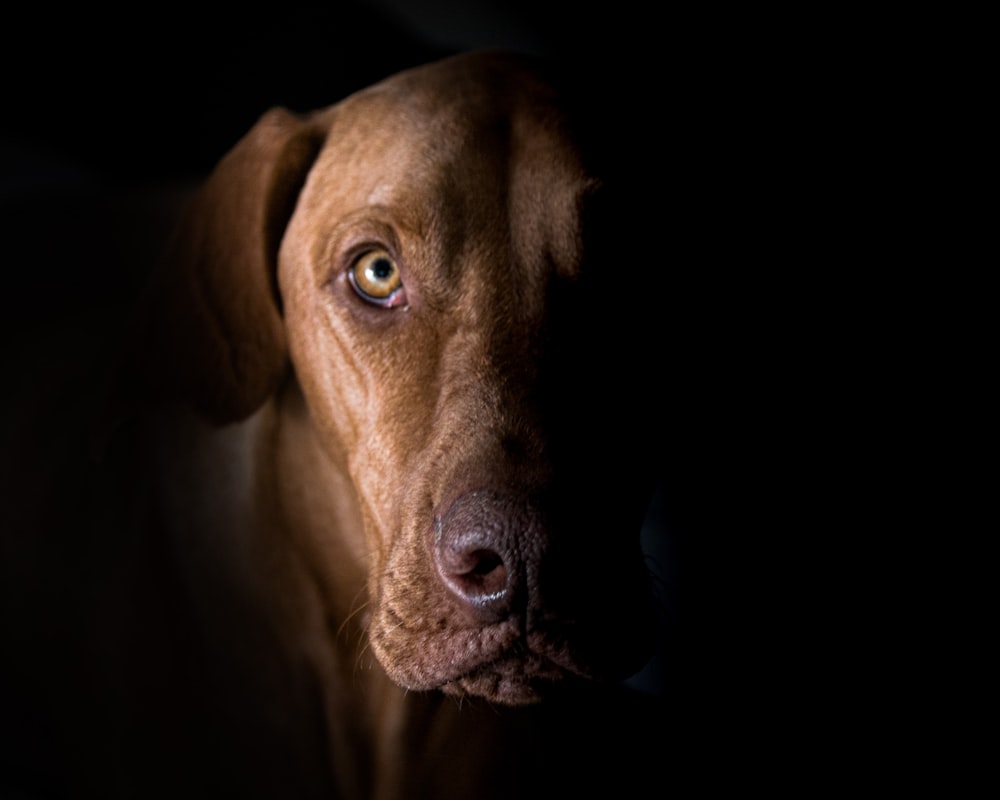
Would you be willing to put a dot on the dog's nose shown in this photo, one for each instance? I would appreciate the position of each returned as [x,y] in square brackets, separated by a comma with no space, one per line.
[483,548]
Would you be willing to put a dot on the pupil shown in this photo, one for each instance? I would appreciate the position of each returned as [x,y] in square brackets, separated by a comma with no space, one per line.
[382,268]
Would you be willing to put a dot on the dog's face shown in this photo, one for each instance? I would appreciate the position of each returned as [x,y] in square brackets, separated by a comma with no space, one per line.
[453,343]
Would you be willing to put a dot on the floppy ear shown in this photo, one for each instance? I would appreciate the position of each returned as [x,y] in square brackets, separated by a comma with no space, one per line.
[213,330]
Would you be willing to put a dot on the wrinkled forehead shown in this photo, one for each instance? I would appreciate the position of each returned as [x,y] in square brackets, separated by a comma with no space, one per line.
[463,137]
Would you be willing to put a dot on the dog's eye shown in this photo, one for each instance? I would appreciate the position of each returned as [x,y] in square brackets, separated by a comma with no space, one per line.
[375,277]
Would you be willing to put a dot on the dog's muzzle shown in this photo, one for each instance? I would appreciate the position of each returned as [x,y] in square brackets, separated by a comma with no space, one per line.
[512,609]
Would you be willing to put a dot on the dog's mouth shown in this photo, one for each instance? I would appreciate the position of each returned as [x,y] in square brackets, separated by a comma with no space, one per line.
[500,663]
[529,670]
[513,679]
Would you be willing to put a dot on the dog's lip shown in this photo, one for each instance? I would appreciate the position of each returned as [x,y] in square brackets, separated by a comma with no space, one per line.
[521,672]
[500,661]
[514,678]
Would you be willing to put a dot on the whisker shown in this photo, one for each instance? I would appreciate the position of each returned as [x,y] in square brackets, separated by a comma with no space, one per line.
[356,608]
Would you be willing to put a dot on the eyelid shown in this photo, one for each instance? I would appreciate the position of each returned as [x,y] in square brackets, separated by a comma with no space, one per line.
[358,232]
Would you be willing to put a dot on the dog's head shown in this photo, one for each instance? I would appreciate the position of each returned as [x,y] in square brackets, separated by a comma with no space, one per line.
[433,261]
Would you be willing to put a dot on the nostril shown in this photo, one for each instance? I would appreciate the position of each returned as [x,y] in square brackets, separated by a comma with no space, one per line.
[485,576]
[476,574]
[486,562]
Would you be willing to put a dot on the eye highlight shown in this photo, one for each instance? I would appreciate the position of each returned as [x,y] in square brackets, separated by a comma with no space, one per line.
[374,275]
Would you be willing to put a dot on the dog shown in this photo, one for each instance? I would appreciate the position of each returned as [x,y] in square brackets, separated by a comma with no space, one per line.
[359,516]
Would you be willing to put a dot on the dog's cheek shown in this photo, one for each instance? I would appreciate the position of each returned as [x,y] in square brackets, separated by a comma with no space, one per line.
[408,617]
[339,397]
[321,365]
[413,631]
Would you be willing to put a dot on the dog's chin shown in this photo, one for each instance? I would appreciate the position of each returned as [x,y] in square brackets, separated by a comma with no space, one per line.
[503,665]
[512,681]
[498,664]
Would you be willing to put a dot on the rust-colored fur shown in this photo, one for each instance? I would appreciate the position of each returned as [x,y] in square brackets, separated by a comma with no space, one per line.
[326,512]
